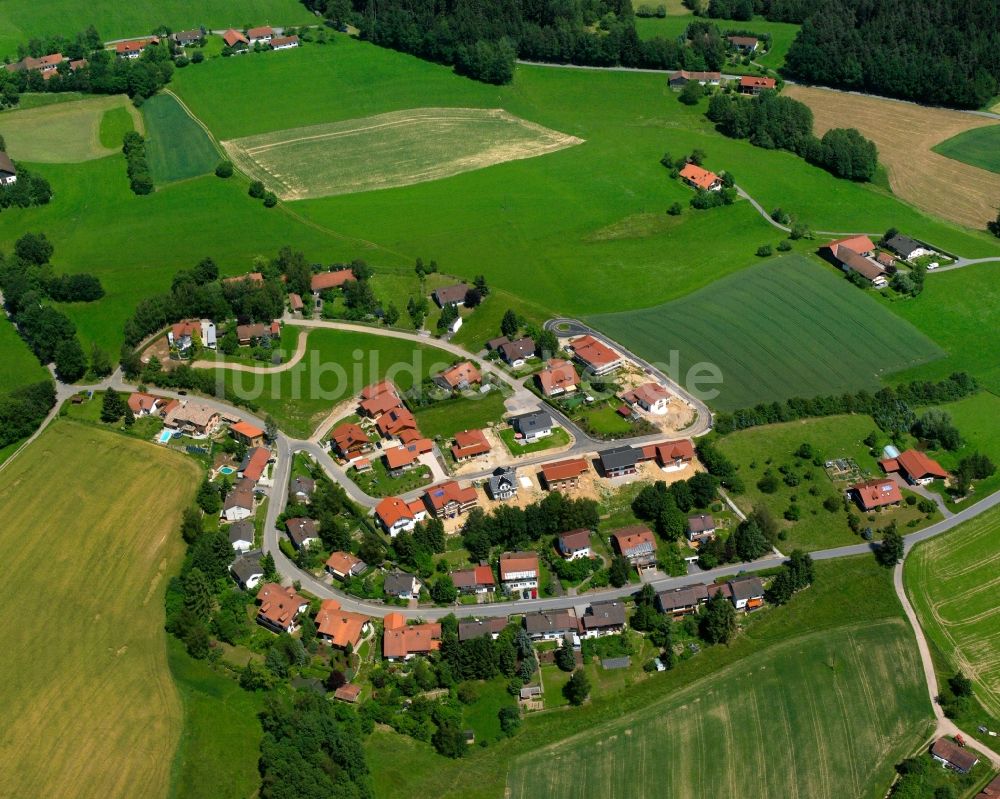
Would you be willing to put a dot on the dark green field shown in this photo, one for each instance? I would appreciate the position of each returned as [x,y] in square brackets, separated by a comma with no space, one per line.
[176,146]
[978,147]
[785,328]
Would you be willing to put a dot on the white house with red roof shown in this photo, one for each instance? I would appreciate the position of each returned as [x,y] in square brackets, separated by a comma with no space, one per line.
[519,573]
[915,467]
[279,608]
[397,516]
[595,356]
[699,178]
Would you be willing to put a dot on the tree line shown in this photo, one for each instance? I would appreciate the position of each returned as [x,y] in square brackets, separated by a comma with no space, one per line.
[775,10]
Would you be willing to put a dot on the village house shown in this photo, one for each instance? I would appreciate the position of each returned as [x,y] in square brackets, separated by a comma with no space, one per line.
[479,628]
[885,260]
[673,455]
[397,516]
[460,377]
[143,404]
[502,484]
[254,278]
[552,625]
[247,570]
[182,335]
[682,601]
[515,353]
[279,608]
[341,628]
[574,544]
[698,178]
[295,303]
[239,502]
[747,593]
[241,535]
[637,544]
[303,533]
[619,461]
[854,254]
[186,38]
[950,755]
[47,65]
[477,580]
[235,40]
[450,295]
[915,467]
[343,565]
[262,34]
[603,618]
[594,356]
[248,434]
[448,500]
[193,418]
[401,641]
[750,84]
[254,464]
[405,457]
[348,692]
[284,42]
[248,334]
[374,406]
[563,474]
[682,78]
[745,44]
[401,585]
[494,344]
[874,494]
[907,248]
[530,427]
[395,422]
[301,489]
[133,49]
[349,440]
[519,573]
[558,377]
[8,172]
[324,281]
[651,397]
[701,528]
[469,444]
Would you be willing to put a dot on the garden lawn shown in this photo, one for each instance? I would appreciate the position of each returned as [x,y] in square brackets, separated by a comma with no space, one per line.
[785,328]
[177,147]
[378,482]
[483,323]
[558,438]
[979,147]
[104,694]
[482,716]
[18,364]
[472,412]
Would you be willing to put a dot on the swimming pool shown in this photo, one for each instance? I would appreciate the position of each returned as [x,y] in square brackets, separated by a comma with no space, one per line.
[165,436]
[226,470]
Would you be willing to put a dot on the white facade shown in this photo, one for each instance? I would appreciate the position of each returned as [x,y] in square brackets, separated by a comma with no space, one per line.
[208,333]
[519,581]
[237,513]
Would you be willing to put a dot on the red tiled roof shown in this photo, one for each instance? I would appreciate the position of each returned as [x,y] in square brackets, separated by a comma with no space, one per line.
[263,30]
[557,374]
[232,37]
[342,562]
[628,538]
[398,457]
[562,470]
[134,45]
[280,41]
[474,577]
[278,604]
[295,301]
[918,465]
[751,82]
[514,562]
[575,539]
[258,462]
[469,443]
[138,402]
[648,393]
[413,639]
[591,351]
[877,493]
[857,244]
[253,277]
[675,450]
[440,495]
[376,389]
[465,372]
[246,429]
[347,435]
[377,405]
[396,420]
[331,280]
[701,178]
[392,510]
[341,626]
[349,692]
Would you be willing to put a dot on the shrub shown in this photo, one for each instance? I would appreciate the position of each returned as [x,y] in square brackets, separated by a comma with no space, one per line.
[224,169]
[675,209]
[784,245]
[270,199]
[764,251]
[256,189]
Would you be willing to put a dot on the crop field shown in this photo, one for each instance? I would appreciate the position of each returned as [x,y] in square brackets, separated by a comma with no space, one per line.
[785,328]
[906,135]
[177,147]
[61,133]
[388,150]
[979,147]
[115,123]
[93,571]
[804,719]
[952,581]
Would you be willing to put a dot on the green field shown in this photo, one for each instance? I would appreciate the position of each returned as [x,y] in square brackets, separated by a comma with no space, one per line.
[978,147]
[115,123]
[177,147]
[444,419]
[95,572]
[389,150]
[18,364]
[952,581]
[785,328]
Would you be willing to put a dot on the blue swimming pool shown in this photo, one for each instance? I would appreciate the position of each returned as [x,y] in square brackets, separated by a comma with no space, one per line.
[165,436]
[227,470]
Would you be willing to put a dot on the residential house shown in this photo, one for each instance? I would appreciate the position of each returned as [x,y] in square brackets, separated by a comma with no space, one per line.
[374,407]
[699,178]
[348,692]
[183,334]
[885,260]
[401,585]
[469,444]
[239,502]
[401,641]
[323,281]
[563,474]
[636,543]
[862,245]
[915,467]
[247,569]
[874,494]
[682,601]
[515,353]
[254,464]
[502,484]
[396,421]
[450,295]
[186,38]
[349,440]
[619,461]
[301,489]
[494,344]
[193,418]
[530,427]
[701,528]
[459,377]
[341,628]
[378,389]
[241,535]
[143,404]
[400,459]
[248,434]
[519,573]
[750,84]
[133,49]
[477,580]
[8,172]
[683,77]
[674,455]
[745,44]
[603,618]
[279,607]
[47,65]
[303,533]
[295,303]
[551,625]
[558,377]
[478,628]
[574,544]
[397,516]
[594,356]
[950,755]
[748,593]
[871,270]
[907,248]
[284,42]
[651,397]
[262,34]
[247,334]
[235,40]
[343,565]
[448,500]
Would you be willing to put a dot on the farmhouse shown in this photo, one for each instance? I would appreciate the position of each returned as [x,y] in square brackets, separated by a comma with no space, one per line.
[279,607]
[854,254]
[8,172]
[303,533]
[396,421]
[915,466]
[459,377]
[349,440]
[254,463]
[502,484]
[395,515]
[478,628]
[323,281]
[754,85]
[558,377]
[745,44]
[551,625]
[682,78]
[450,295]
[401,641]
[284,42]
[235,40]
[343,565]
[747,593]
[674,455]
[402,585]
[143,404]
[951,755]
[619,461]
[603,618]
[247,569]
[469,444]
[263,34]
[184,38]
[519,572]
[239,502]
[594,356]
[563,474]
[574,544]
[515,353]
[341,628]
[701,528]
[247,334]
[682,601]
[532,426]
[699,178]
[885,259]
[448,500]
[133,49]
[637,544]
[862,245]
[248,434]
[302,489]
[477,580]
[651,397]
[255,278]
[907,248]
[47,65]
[873,494]
[241,535]
[193,418]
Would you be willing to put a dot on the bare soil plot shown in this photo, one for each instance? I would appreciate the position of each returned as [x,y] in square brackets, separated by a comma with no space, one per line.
[389,150]
[905,134]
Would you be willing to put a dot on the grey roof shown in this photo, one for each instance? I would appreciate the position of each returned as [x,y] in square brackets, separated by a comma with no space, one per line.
[239,497]
[551,622]
[746,588]
[241,531]
[532,422]
[604,614]
[305,529]
[502,481]
[495,343]
[701,524]
[683,597]
[619,457]
[616,663]
[521,348]
[478,628]
[6,165]
[450,294]
[247,566]
[397,583]
[903,245]
[303,485]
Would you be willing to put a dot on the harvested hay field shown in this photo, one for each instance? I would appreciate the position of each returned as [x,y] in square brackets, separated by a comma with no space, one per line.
[905,134]
[389,150]
[90,708]
[63,133]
